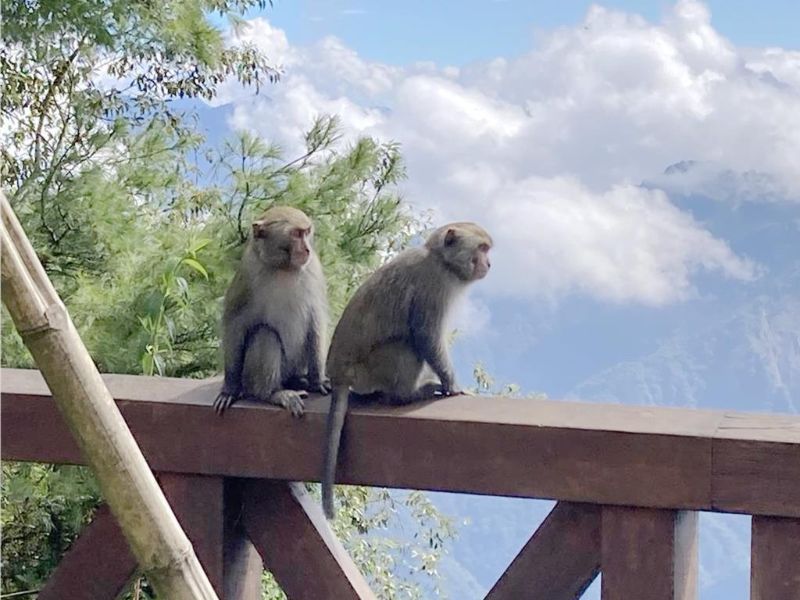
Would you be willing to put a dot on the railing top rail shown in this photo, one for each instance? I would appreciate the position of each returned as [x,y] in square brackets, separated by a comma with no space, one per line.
[600,453]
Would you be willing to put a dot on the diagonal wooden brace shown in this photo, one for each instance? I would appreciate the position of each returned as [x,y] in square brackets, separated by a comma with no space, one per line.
[296,543]
[559,561]
[98,564]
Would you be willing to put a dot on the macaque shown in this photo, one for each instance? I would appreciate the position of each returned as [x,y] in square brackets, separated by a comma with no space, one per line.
[275,316]
[390,339]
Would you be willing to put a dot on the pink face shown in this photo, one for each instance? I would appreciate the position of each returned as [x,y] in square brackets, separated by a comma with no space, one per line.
[300,250]
[480,262]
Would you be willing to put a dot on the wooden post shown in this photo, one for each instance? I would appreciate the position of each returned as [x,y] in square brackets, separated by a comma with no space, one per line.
[197,501]
[775,559]
[162,549]
[648,553]
[243,565]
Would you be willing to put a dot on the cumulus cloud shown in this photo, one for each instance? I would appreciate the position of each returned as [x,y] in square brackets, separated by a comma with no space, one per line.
[548,148]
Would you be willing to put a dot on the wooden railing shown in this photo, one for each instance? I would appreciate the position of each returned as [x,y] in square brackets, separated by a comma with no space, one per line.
[629,481]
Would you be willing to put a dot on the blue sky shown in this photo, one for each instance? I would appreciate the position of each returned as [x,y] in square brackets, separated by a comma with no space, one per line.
[638,164]
[460,32]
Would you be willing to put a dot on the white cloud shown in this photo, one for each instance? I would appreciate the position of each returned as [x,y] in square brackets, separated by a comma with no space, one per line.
[624,244]
[547,148]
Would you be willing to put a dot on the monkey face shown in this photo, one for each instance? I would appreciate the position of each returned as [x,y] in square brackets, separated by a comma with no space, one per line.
[300,247]
[464,248]
[283,244]
[480,262]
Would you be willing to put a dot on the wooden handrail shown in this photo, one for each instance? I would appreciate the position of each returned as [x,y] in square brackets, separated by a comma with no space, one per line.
[596,453]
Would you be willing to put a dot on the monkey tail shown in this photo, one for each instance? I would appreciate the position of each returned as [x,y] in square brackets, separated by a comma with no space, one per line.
[336,416]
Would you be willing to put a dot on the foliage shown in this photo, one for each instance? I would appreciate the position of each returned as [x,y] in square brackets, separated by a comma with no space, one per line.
[43,508]
[140,224]
[485,384]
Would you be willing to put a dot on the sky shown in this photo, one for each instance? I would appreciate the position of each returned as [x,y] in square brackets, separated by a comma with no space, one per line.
[456,33]
[638,164]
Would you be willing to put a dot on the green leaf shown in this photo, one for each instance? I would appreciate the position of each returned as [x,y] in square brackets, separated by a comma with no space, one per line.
[196,266]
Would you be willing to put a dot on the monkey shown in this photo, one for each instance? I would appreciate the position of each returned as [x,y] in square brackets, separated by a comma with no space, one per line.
[390,341]
[275,316]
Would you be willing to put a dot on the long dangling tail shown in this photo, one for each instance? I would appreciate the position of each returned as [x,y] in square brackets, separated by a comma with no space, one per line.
[336,417]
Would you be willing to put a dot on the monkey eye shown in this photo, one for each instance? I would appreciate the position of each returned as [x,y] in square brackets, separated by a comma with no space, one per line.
[483,247]
[300,233]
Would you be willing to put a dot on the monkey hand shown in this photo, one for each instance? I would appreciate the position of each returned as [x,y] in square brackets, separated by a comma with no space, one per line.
[451,388]
[224,400]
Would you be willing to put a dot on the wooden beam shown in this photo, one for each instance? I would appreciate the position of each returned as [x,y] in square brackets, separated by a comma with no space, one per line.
[756,465]
[775,559]
[97,565]
[243,566]
[612,454]
[197,501]
[297,545]
[561,559]
[648,553]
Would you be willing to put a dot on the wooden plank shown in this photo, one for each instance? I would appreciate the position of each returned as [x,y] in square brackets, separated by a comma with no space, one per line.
[197,501]
[242,564]
[648,553]
[288,529]
[561,559]
[756,465]
[638,456]
[775,562]
[97,565]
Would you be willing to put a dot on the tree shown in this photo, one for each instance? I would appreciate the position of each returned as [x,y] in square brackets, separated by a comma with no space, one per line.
[140,222]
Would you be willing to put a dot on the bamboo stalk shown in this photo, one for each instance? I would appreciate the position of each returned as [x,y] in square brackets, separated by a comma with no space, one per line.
[162,549]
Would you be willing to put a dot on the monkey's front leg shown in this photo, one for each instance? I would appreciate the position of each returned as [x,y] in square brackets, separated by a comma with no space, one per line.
[233,342]
[432,350]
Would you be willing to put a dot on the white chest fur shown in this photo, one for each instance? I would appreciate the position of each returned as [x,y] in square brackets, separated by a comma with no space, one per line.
[283,304]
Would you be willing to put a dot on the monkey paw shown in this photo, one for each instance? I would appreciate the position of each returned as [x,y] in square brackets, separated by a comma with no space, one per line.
[291,400]
[224,400]
[453,390]
[322,386]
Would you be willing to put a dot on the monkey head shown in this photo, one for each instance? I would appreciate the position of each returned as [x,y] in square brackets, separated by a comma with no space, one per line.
[463,248]
[282,238]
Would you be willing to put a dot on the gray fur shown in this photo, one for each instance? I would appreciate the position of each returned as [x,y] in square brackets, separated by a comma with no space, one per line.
[390,338]
[274,322]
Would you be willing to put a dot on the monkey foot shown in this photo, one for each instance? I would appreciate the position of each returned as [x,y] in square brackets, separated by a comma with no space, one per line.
[320,387]
[291,400]
[223,401]
[302,383]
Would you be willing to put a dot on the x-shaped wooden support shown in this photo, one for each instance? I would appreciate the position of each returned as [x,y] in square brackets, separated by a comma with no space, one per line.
[237,527]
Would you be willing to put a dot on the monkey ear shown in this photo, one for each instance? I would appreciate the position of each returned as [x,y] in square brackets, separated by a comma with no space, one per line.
[450,237]
[259,229]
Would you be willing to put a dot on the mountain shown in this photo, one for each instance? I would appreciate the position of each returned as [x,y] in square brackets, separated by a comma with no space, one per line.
[733,346]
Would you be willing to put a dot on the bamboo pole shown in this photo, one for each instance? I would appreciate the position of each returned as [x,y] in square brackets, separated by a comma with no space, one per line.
[162,549]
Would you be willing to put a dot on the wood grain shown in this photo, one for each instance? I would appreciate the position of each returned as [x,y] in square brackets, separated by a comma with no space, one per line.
[605,454]
[296,544]
[649,554]
[98,564]
[775,562]
[561,559]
